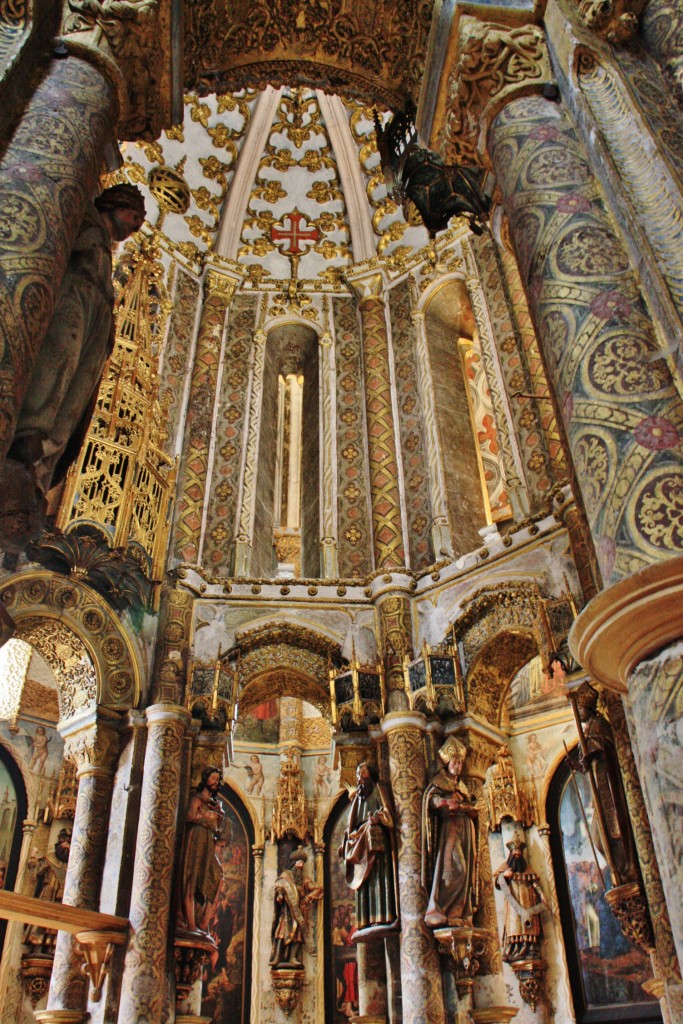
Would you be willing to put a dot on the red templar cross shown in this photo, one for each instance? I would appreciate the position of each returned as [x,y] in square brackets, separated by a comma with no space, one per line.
[295,235]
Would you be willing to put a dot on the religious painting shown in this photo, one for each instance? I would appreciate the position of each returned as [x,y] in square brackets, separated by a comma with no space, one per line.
[607,970]
[340,949]
[259,724]
[226,980]
[537,683]
[12,814]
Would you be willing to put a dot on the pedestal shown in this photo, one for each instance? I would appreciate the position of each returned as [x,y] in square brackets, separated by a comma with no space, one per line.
[287,985]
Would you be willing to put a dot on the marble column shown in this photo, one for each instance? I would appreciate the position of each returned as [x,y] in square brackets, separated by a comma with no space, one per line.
[144,976]
[420,968]
[92,742]
[387,525]
[255,1013]
[194,465]
[48,172]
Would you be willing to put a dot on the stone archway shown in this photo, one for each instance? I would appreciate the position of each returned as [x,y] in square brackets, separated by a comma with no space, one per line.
[79,636]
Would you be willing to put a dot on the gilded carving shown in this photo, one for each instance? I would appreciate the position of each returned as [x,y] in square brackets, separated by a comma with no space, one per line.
[614,20]
[290,813]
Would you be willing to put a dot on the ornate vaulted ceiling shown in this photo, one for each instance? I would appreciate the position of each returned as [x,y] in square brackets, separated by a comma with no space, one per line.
[286,182]
[369,49]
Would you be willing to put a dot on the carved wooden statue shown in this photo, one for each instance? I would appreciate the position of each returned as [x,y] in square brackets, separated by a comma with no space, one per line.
[201,874]
[439,191]
[449,848]
[293,896]
[369,852]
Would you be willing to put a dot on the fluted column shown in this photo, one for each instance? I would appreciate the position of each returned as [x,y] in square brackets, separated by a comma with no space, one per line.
[255,1012]
[387,526]
[93,744]
[194,466]
[48,172]
[328,457]
[442,537]
[245,527]
[622,413]
[144,974]
[420,969]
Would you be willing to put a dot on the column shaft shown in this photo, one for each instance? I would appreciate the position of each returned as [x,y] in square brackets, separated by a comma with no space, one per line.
[95,749]
[248,496]
[387,528]
[622,413]
[144,976]
[194,468]
[420,968]
[48,172]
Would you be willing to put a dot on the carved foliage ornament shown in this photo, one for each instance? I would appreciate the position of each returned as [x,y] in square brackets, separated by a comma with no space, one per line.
[491,64]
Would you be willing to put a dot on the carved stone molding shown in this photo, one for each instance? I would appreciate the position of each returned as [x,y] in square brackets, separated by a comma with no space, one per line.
[486,66]
[131,43]
[629,621]
[39,601]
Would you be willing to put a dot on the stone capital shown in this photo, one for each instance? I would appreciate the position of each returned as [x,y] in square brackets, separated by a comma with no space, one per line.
[628,622]
[92,742]
[156,713]
[366,284]
[219,286]
[395,721]
[487,65]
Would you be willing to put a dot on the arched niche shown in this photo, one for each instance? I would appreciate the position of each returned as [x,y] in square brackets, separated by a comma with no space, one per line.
[79,636]
[286,516]
[450,331]
[341,969]
[495,666]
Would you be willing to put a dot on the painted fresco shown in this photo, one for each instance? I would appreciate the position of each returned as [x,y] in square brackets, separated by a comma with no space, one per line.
[260,724]
[534,685]
[343,926]
[612,968]
[225,992]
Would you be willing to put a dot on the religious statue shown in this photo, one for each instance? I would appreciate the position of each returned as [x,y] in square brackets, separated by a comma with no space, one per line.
[59,400]
[201,867]
[439,191]
[50,874]
[368,849]
[294,894]
[597,757]
[524,902]
[450,853]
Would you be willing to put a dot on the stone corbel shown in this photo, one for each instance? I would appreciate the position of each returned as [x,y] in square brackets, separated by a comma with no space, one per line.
[487,65]
[287,984]
[97,948]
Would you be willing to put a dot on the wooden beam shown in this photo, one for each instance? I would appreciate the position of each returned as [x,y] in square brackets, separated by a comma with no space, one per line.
[28,910]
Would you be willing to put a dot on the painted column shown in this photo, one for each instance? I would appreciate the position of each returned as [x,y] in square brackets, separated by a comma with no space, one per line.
[565,1009]
[255,1013]
[319,850]
[194,466]
[328,457]
[93,744]
[144,974]
[665,961]
[387,527]
[441,527]
[10,982]
[248,496]
[372,985]
[621,410]
[420,968]
[48,172]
